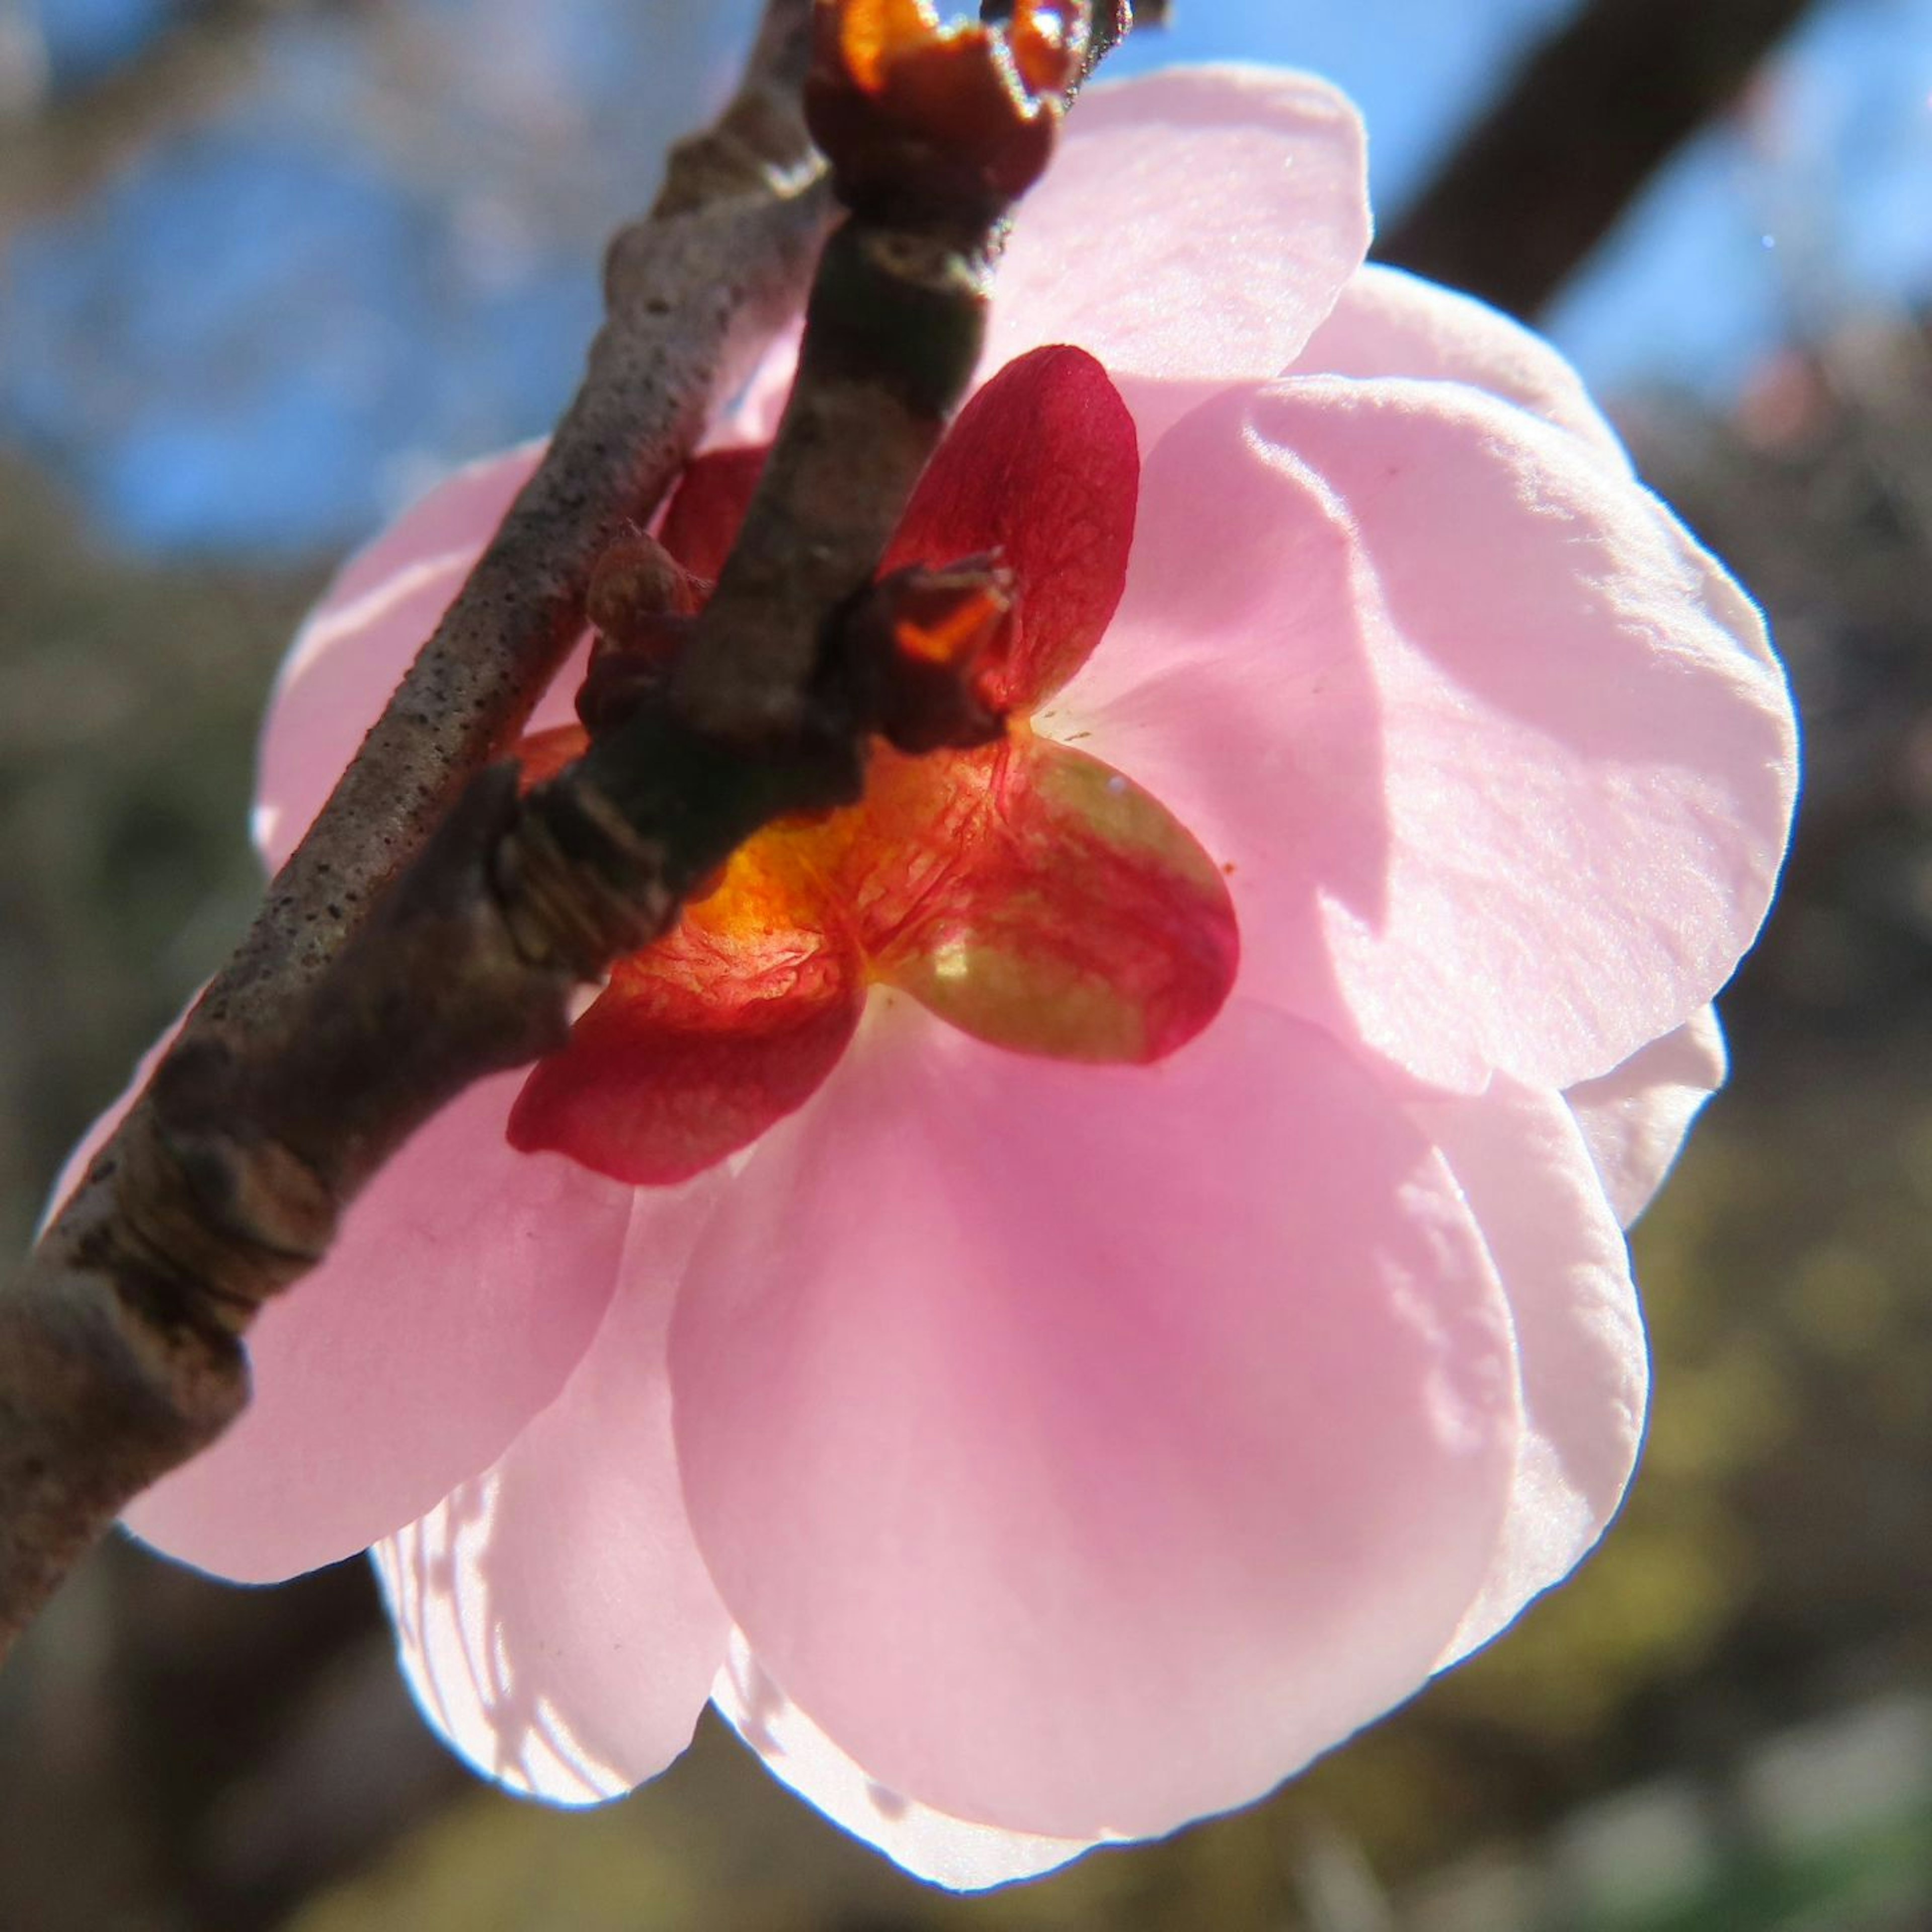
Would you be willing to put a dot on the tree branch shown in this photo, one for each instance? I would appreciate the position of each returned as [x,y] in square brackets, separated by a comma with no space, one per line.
[366,997]
[1587,120]
[118,1355]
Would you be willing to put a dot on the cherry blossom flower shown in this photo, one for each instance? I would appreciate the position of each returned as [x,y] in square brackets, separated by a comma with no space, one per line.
[1019,888]
[1023,1445]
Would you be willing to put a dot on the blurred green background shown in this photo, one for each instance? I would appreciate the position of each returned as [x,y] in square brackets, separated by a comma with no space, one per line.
[224,355]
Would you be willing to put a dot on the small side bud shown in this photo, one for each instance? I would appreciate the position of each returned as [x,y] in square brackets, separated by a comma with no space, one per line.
[921,647]
[641,601]
[624,676]
[637,581]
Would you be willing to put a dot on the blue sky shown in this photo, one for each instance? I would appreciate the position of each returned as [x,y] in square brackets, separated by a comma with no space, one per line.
[377,254]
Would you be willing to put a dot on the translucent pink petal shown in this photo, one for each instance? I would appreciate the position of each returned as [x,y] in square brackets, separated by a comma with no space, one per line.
[1194,229]
[1233,207]
[357,642]
[927,1843]
[753,416]
[1635,1118]
[445,518]
[465,1285]
[1579,1330]
[1086,1448]
[1499,756]
[555,1622]
[1390,323]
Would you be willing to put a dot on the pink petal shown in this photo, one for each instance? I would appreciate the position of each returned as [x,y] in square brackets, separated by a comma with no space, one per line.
[445,518]
[753,416]
[1578,1332]
[465,1283]
[927,1843]
[1195,228]
[357,642]
[1499,758]
[554,1621]
[1086,1448]
[1390,323]
[1635,1118]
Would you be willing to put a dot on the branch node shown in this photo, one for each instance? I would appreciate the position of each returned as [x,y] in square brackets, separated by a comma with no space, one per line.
[579,884]
[213,1217]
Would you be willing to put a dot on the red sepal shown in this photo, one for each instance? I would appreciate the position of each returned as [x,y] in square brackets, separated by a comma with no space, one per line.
[1035,898]
[1042,469]
[540,755]
[699,1043]
[708,506]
